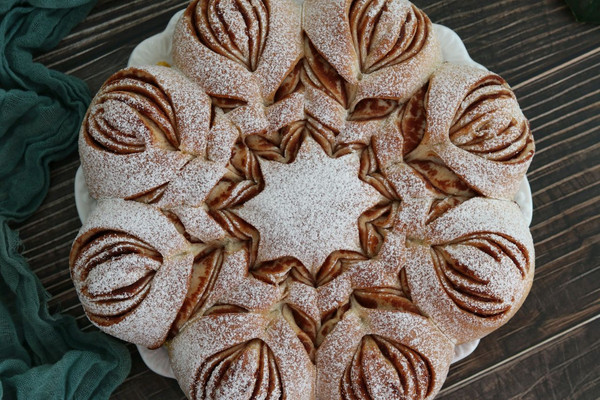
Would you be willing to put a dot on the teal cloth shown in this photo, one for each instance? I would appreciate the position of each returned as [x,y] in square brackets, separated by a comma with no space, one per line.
[42,356]
[585,10]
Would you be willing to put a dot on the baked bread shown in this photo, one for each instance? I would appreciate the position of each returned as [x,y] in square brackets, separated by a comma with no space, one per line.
[310,205]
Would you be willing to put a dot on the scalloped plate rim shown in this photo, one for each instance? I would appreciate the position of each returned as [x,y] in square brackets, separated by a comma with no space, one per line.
[453,49]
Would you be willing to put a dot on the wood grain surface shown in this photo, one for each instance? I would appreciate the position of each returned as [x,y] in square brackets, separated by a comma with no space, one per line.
[551,348]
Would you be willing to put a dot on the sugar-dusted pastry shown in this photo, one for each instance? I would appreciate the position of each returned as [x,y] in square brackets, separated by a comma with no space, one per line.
[308,205]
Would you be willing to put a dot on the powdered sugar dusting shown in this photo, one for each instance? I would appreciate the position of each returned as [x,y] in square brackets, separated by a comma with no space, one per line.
[414,331]
[286,111]
[401,80]
[210,335]
[152,135]
[483,285]
[217,74]
[297,371]
[192,184]
[283,47]
[326,24]
[336,352]
[310,207]
[253,295]
[325,109]
[207,336]
[148,319]
[304,297]
[191,106]
[199,224]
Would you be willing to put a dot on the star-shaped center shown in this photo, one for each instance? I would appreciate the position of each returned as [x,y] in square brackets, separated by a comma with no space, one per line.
[310,207]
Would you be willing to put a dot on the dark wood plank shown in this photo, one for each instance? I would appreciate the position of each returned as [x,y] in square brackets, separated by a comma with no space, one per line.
[142,384]
[517,39]
[550,348]
[564,367]
[102,43]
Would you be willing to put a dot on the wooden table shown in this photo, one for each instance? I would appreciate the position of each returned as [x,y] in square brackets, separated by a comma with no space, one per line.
[551,348]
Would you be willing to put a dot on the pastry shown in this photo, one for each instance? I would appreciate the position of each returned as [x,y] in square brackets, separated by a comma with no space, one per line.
[308,205]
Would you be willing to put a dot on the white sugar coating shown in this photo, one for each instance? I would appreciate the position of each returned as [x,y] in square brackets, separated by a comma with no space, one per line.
[283,47]
[123,119]
[250,119]
[374,273]
[449,87]
[104,280]
[490,178]
[380,376]
[381,271]
[309,208]
[304,297]
[475,215]
[413,331]
[221,139]
[296,369]
[157,166]
[286,111]
[456,323]
[191,106]
[407,182]
[326,24]
[336,352]
[359,131]
[325,109]
[207,336]
[411,218]
[388,145]
[391,18]
[235,31]
[392,252]
[223,77]
[417,333]
[217,74]
[149,322]
[122,176]
[335,293]
[487,113]
[192,184]
[231,279]
[238,380]
[141,221]
[502,280]
[253,295]
[402,80]
[128,175]
[199,224]
[119,273]
[210,335]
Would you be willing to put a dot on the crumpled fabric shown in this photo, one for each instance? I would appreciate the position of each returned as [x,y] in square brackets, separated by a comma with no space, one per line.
[42,356]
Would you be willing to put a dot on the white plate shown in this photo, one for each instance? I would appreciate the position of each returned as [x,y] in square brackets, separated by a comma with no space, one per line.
[158,48]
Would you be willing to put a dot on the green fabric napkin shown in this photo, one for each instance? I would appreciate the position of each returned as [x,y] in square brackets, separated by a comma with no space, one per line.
[42,356]
[585,10]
